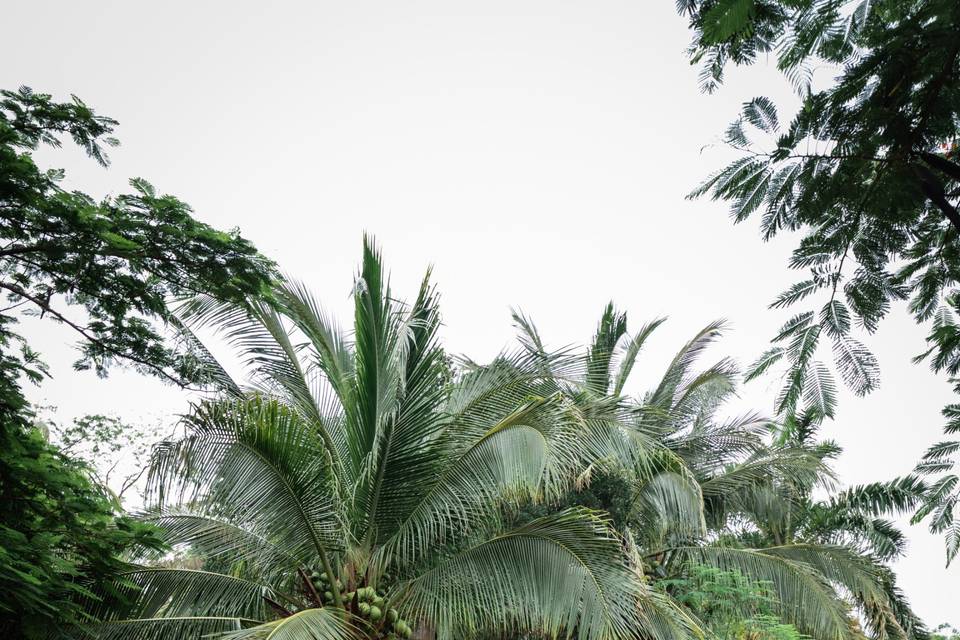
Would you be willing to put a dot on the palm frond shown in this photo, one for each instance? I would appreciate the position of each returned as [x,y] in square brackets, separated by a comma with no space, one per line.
[562,574]
[631,349]
[612,327]
[166,628]
[530,451]
[664,395]
[805,598]
[164,592]
[325,623]
[256,463]
[258,552]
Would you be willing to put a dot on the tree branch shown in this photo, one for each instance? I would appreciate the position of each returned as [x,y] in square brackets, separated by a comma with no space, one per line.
[46,308]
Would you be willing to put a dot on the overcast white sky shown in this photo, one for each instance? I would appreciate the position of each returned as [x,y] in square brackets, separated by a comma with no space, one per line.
[537,153]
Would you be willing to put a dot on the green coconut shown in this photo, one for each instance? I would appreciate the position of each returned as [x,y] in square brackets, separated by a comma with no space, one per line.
[375,613]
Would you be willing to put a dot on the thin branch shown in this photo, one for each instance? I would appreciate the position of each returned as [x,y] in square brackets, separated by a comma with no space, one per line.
[46,308]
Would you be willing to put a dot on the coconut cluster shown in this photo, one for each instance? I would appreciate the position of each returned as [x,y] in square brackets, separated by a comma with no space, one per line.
[366,603]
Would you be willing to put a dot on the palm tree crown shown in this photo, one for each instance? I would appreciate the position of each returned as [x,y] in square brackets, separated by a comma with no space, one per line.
[735,492]
[355,473]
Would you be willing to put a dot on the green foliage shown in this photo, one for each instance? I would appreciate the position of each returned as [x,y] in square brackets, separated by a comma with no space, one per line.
[867,170]
[106,270]
[728,604]
[363,460]
[733,497]
[61,539]
[945,632]
[114,452]
[117,261]
[941,501]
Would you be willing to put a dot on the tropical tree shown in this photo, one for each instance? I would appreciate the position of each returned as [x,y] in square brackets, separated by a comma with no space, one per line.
[942,501]
[62,538]
[104,269]
[730,606]
[734,492]
[867,170]
[356,488]
[782,513]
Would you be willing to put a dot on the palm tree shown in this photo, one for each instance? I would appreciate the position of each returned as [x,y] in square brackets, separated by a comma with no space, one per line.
[355,489]
[727,496]
[783,514]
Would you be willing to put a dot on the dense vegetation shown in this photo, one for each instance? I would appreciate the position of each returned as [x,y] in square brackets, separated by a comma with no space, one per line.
[115,263]
[868,171]
[363,482]
[375,486]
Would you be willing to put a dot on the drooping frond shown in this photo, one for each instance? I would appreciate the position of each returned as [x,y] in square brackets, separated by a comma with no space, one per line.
[256,463]
[263,339]
[203,366]
[858,575]
[805,598]
[256,550]
[709,445]
[561,574]
[780,463]
[325,623]
[669,504]
[178,593]
[167,628]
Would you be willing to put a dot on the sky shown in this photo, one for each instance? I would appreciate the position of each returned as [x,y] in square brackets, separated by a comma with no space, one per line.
[536,153]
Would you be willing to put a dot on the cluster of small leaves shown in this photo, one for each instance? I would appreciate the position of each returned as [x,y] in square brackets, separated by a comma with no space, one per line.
[61,539]
[108,268]
[867,170]
[942,500]
[105,269]
[728,604]
[945,632]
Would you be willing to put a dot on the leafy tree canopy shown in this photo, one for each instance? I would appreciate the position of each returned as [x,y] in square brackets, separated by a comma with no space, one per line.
[61,539]
[867,170]
[104,268]
[729,605]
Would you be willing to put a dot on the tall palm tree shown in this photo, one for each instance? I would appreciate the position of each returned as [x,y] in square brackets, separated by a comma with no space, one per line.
[354,489]
[728,496]
[785,514]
